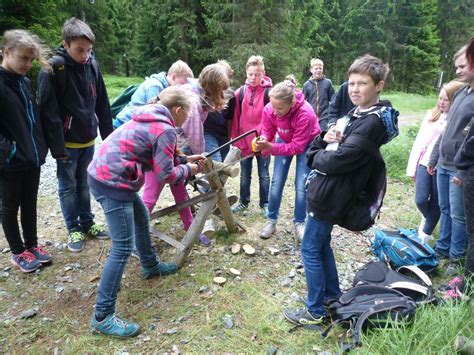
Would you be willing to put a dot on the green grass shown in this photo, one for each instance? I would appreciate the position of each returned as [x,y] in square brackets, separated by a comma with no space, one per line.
[116,84]
[409,103]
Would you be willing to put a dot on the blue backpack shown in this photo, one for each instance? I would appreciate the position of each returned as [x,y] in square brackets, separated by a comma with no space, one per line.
[403,248]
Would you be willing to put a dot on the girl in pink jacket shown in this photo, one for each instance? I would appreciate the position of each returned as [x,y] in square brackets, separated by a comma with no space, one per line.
[293,121]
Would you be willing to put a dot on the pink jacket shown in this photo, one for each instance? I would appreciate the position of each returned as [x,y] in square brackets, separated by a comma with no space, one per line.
[193,127]
[425,140]
[251,115]
[297,128]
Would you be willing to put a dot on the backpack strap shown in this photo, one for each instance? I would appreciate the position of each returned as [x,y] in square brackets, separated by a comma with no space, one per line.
[266,96]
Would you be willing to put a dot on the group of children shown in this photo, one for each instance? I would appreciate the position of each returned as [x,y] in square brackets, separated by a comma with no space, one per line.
[159,138]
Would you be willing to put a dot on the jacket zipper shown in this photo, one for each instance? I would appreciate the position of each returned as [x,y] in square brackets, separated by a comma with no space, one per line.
[31,120]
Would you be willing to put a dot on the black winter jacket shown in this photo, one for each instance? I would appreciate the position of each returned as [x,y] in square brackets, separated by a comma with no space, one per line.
[325,92]
[82,107]
[21,123]
[348,169]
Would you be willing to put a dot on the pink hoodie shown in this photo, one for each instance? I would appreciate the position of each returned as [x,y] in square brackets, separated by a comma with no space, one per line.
[297,128]
[251,115]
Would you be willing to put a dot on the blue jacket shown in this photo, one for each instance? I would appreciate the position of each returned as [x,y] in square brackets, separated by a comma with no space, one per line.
[147,90]
[340,104]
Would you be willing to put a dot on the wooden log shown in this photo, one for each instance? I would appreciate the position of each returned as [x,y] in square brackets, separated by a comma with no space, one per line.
[194,231]
[192,201]
[230,170]
[171,241]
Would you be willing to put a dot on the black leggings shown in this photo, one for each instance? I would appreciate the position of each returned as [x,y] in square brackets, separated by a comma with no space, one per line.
[19,190]
[469,212]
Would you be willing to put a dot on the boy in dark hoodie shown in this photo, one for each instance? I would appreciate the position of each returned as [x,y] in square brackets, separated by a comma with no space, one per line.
[75,95]
[318,91]
[334,155]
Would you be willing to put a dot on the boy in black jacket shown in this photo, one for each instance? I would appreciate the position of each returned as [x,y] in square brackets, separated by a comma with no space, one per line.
[366,79]
[75,95]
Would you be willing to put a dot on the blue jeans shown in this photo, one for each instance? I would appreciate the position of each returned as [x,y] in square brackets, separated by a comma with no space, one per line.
[74,196]
[426,198]
[452,240]
[263,163]
[213,142]
[319,264]
[128,223]
[281,167]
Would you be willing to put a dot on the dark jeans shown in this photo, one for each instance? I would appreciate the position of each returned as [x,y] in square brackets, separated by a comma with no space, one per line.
[263,163]
[213,142]
[19,190]
[73,189]
[319,264]
[426,198]
[128,224]
[469,211]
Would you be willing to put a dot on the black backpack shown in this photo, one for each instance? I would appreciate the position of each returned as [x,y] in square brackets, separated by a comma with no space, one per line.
[369,306]
[409,280]
[266,97]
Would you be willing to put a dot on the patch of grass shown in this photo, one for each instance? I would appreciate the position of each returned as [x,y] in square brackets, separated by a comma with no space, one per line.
[409,103]
[397,151]
[116,84]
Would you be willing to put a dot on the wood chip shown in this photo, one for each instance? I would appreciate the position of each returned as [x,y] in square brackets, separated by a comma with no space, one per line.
[94,278]
[274,251]
[220,280]
[235,248]
[248,249]
[235,272]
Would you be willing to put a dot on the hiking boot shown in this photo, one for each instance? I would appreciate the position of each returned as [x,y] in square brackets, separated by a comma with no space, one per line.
[452,268]
[160,269]
[98,231]
[240,207]
[75,241]
[114,326]
[299,230]
[25,261]
[302,316]
[269,229]
[204,240]
[41,255]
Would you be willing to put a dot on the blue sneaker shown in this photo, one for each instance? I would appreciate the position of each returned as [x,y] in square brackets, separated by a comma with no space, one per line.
[25,261]
[41,255]
[75,241]
[115,326]
[160,269]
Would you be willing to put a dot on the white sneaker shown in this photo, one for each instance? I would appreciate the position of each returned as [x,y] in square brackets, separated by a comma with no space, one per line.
[299,230]
[269,229]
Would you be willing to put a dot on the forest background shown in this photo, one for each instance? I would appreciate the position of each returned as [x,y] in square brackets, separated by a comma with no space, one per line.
[139,37]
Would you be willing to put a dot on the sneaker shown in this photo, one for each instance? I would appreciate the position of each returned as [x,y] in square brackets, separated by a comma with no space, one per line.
[455,295]
[160,269]
[115,326]
[41,255]
[25,261]
[269,229]
[240,207]
[204,240]
[98,231]
[75,241]
[302,316]
[265,209]
[452,268]
[299,230]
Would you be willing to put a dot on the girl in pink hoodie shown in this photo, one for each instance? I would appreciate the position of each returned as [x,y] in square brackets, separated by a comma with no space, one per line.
[294,122]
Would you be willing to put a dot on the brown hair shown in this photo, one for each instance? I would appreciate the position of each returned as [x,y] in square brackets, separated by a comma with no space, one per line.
[13,39]
[74,29]
[214,81]
[470,53]
[450,88]
[371,66]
